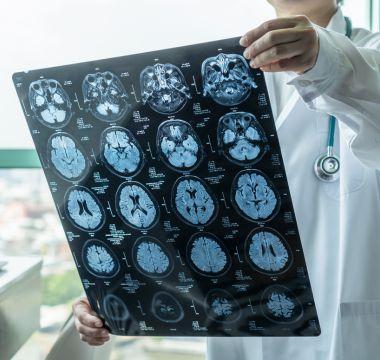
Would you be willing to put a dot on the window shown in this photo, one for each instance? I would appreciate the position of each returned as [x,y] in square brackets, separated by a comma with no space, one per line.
[29,222]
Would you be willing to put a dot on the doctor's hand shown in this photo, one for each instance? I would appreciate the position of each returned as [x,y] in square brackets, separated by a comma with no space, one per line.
[283,44]
[88,324]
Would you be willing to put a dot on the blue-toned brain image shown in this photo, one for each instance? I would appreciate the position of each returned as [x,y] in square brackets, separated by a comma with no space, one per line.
[136,206]
[268,251]
[121,152]
[179,145]
[164,88]
[193,201]
[151,257]
[221,306]
[254,196]
[50,103]
[166,308]
[67,156]
[280,305]
[241,138]
[105,96]
[115,308]
[208,255]
[227,79]
[84,209]
[99,259]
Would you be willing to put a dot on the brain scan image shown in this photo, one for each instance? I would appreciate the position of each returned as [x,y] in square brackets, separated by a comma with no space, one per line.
[84,209]
[120,151]
[50,103]
[166,308]
[67,156]
[99,259]
[279,304]
[115,308]
[136,205]
[151,257]
[193,201]
[254,196]
[268,251]
[164,88]
[241,138]
[221,306]
[179,145]
[208,255]
[105,96]
[227,79]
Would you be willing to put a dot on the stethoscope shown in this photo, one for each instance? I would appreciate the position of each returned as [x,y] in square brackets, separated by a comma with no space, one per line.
[327,165]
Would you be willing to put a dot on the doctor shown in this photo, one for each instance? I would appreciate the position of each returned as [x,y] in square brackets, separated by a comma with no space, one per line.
[324,84]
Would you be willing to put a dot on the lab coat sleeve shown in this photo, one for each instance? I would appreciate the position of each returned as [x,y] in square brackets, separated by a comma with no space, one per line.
[345,82]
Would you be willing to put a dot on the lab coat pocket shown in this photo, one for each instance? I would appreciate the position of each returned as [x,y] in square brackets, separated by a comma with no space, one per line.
[359,330]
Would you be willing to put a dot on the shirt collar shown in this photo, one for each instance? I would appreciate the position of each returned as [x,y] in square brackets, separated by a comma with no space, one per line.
[337,22]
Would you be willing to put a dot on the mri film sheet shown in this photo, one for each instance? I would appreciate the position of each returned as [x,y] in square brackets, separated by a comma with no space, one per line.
[167,175]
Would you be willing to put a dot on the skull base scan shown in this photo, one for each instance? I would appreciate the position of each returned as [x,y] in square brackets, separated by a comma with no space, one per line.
[227,79]
[241,138]
[166,308]
[50,103]
[164,88]
[105,96]
[179,145]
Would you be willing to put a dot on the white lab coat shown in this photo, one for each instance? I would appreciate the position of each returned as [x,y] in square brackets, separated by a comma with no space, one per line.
[339,222]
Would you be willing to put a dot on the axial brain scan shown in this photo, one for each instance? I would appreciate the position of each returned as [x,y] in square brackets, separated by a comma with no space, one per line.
[166,308]
[241,138]
[194,201]
[280,305]
[208,255]
[222,307]
[268,251]
[50,103]
[136,206]
[164,88]
[115,308]
[179,145]
[67,156]
[84,209]
[99,259]
[151,257]
[227,79]
[121,152]
[254,196]
[105,96]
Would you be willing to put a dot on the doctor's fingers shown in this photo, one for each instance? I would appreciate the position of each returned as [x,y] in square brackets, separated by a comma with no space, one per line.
[273,38]
[99,334]
[83,312]
[277,53]
[297,64]
[275,24]
[91,341]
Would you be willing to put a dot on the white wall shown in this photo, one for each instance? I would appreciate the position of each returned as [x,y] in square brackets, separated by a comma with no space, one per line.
[42,33]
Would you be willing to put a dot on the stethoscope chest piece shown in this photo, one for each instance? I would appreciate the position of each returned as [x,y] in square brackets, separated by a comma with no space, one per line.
[327,168]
